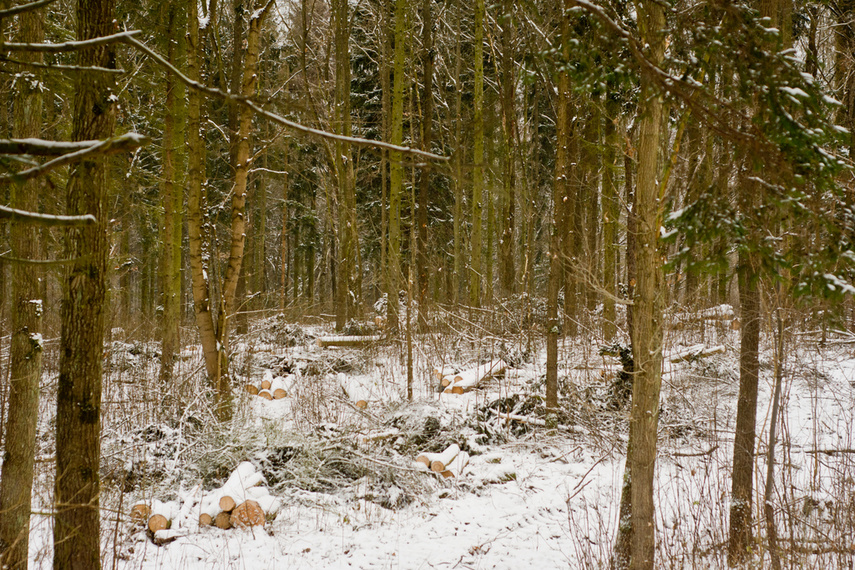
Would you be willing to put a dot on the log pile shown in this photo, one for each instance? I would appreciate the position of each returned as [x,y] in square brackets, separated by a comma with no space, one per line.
[243,502]
[271,388]
[468,380]
[449,463]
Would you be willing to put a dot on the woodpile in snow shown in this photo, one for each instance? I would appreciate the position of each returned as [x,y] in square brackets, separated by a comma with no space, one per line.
[468,380]
[449,463]
[242,502]
[271,388]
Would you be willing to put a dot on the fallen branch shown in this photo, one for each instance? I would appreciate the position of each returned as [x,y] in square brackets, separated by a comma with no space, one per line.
[325,342]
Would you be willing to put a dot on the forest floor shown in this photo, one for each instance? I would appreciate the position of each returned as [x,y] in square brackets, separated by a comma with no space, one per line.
[531,496]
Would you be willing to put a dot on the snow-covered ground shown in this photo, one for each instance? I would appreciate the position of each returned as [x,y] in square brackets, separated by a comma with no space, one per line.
[531,497]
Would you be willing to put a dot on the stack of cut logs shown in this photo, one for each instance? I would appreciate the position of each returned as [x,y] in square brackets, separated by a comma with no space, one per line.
[468,380]
[242,502]
[271,388]
[449,463]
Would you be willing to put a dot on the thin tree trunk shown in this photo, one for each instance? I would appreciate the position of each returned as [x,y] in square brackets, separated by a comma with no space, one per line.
[396,167]
[200,270]
[768,508]
[458,168]
[507,266]
[477,159]
[170,260]
[426,141]
[16,479]
[78,416]
[611,213]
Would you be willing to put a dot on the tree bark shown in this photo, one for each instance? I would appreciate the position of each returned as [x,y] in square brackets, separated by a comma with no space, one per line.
[16,479]
[78,416]
[649,303]
[426,141]
[611,213]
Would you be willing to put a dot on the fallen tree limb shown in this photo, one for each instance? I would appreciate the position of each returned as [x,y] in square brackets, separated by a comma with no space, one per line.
[327,341]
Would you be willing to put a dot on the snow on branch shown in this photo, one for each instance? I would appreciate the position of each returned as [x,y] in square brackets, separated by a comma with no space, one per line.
[71,46]
[7,213]
[61,68]
[272,116]
[127,141]
[42,147]
[24,8]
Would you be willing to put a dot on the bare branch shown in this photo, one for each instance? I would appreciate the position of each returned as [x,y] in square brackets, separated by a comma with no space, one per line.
[61,68]
[24,8]
[41,147]
[272,116]
[42,262]
[23,216]
[121,143]
[71,46]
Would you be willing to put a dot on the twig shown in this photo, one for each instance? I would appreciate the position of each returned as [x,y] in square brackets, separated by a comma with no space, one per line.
[71,46]
[23,8]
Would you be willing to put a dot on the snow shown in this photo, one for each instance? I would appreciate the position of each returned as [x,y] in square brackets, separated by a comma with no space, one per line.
[530,497]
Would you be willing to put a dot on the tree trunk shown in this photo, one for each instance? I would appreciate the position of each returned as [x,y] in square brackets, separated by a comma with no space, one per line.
[200,270]
[170,259]
[611,213]
[349,290]
[477,158]
[458,168]
[396,167]
[649,303]
[78,415]
[507,267]
[16,479]
[742,489]
[426,141]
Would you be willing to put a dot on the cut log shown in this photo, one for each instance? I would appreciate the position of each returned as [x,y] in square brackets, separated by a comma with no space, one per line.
[252,389]
[140,512]
[278,388]
[227,503]
[265,394]
[223,520]
[469,379]
[457,390]
[158,522]
[265,384]
[456,467]
[248,513]
[361,404]
[694,352]
[327,341]
[205,520]
[439,462]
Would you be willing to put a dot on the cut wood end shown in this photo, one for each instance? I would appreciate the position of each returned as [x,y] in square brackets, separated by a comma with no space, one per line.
[265,384]
[361,404]
[227,503]
[457,390]
[205,519]
[140,512]
[445,381]
[437,466]
[158,522]
[252,389]
[447,474]
[247,514]
[265,394]
[423,460]
[279,393]
[223,521]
